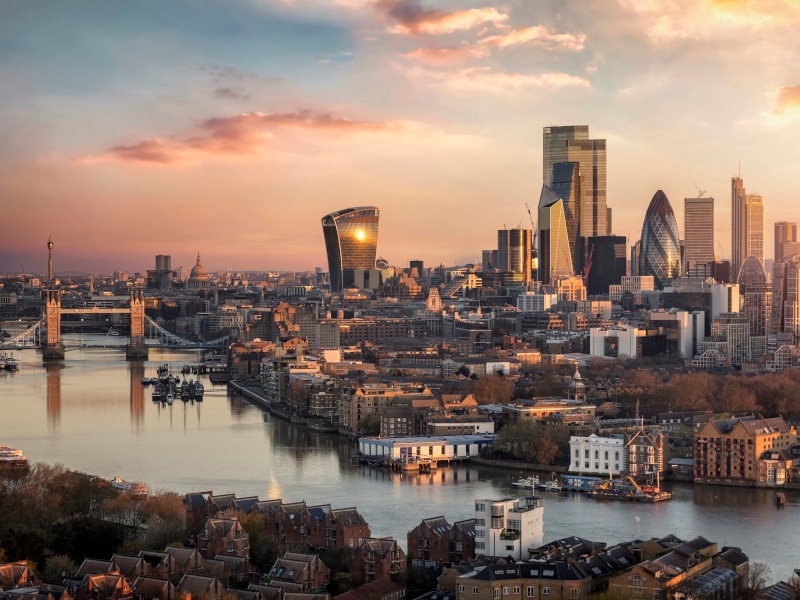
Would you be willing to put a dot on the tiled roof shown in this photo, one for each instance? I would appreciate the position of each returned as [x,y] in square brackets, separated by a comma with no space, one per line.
[437,525]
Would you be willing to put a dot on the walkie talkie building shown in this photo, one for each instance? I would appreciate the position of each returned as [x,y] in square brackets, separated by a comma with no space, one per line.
[351,241]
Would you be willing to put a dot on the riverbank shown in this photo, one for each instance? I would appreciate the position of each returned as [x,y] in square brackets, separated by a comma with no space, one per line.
[513,465]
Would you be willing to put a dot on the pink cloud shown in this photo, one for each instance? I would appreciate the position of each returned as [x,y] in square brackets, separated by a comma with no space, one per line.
[487,79]
[443,54]
[240,134]
[537,34]
[413,18]
[787,99]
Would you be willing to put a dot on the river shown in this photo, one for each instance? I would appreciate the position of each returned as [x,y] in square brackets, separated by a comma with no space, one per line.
[91,413]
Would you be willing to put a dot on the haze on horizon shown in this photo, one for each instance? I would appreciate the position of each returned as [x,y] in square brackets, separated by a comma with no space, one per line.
[136,129]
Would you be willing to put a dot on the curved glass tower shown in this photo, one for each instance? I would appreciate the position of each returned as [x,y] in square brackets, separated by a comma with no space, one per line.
[661,251]
[351,241]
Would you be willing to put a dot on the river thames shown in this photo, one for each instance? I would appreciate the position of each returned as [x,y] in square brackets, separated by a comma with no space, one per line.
[91,413]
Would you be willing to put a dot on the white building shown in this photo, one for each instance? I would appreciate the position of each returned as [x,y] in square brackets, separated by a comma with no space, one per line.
[595,454]
[637,283]
[618,341]
[509,527]
[533,302]
[411,449]
[690,326]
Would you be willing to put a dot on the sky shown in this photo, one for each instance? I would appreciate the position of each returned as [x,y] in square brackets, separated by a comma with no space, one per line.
[130,129]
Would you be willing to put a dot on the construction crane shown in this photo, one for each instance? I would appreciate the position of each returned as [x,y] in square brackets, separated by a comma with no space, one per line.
[533,226]
[721,252]
[588,267]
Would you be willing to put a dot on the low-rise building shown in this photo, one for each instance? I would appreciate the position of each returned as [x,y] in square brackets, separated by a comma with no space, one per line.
[508,527]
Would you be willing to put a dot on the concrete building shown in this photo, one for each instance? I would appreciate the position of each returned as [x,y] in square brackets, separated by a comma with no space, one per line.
[536,302]
[617,341]
[698,232]
[595,454]
[508,527]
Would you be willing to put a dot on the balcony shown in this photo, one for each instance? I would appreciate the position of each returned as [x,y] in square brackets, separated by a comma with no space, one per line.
[509,534]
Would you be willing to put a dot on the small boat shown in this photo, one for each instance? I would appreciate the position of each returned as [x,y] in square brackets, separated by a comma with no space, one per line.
[550,486]
[154,380]
[145,381]
[158,393]
[113,331]
[526,483]
[185,370]
[198,391]
[170,398]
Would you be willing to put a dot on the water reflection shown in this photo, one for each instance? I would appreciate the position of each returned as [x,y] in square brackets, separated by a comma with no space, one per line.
[136,368]
[53,369]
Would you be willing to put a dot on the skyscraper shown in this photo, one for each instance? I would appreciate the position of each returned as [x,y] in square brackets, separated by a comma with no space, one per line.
[747,226]
[566,184]
[660,254]
[514,252]
[757,299]
[49,260]
[571,143]
[351,241]
[785,240]
[609,263]
[554,252]
[163,262]
[698,231]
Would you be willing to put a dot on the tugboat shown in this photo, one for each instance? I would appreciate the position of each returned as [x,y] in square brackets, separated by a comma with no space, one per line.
[158,393]
[198,391]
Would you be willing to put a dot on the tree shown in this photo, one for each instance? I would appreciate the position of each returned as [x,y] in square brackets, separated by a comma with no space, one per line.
[492,389]
[528,441]
[57,567]
[734,397]
[297,397]
[757,577]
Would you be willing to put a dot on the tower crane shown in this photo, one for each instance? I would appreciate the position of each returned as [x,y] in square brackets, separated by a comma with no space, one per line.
[533,225]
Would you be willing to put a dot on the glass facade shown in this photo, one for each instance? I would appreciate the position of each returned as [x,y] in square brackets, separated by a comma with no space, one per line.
[660,254]
[554,253]
[609,263]
[351,241]
[567,186]
[514,251]
[698,230]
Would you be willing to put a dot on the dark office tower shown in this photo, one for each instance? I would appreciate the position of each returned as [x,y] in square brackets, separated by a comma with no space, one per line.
[567,186]
[609,227]
[636,250]
[785,240]
[609,263]
[514,252]
[698,229]
[351,241]
[738,231]
[554,259]
[163,262]
[753,285]
[661,251]
[418,265]
[572,144]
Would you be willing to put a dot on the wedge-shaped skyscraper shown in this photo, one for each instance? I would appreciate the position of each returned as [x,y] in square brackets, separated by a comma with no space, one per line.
[661,251]
[351,240]
[555,258]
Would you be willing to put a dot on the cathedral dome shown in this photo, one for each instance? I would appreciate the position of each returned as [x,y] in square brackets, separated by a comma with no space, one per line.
[199,276]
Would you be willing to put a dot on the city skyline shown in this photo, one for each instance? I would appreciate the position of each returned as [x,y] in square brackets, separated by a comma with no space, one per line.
[224,123]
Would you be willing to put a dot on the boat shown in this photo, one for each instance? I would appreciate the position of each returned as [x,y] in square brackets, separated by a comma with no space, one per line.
[8,363]
[526,483]
[153,380]
[626,488]
[579,483]
[185,370]
[113,331]
[12,461]
[170,398]
[549,486]
[145,381]
[198,391]
[137,490]
[158,393]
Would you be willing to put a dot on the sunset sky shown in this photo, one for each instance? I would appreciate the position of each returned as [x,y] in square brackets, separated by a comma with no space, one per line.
[130,129]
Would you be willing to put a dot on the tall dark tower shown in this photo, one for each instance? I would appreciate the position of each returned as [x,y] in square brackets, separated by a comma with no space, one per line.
[50,259]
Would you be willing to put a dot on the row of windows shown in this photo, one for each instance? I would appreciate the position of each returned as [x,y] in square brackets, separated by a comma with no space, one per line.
[530,591]
[596,454]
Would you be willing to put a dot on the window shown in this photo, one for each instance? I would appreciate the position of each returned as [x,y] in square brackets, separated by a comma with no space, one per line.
[545,591]
[496,594]
[480,533]
[597,454]
[577,453]
[606,455]
[586,453]
[516,589]
[480,507]
[637,580]
[505,591]
[531,591]
[480,546]
[475,590]
[616,455]
[509,548]
[461,587]
[573,593]
[480,522]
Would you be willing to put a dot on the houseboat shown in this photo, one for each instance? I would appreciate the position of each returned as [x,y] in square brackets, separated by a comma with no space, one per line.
[579,483]
[137,490]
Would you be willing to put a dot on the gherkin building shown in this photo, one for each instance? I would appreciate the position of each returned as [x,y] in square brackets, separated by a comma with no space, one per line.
[661,251]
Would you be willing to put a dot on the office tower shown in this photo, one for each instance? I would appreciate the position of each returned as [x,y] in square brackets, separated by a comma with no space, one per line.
[609,226]
[49,260]
[163,262]
[486,260]
[636,250]
[785,316]
[351,242]
[785,240]
[609,263]
[555,259]
[514,252]
[747,226]
[418,265]
[571,143]
[566,184]
[698,230]
[660,253]
[753,285]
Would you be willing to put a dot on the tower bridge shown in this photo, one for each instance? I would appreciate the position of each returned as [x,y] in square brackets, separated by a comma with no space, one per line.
[46,332]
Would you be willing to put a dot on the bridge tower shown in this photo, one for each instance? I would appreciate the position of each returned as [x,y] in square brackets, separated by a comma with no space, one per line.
[53,349]
[136,349]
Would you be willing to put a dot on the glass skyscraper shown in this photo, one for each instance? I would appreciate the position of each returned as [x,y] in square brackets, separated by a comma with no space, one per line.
[660,254]
[351,241]
[554,253]
[571,143]
[514,252]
